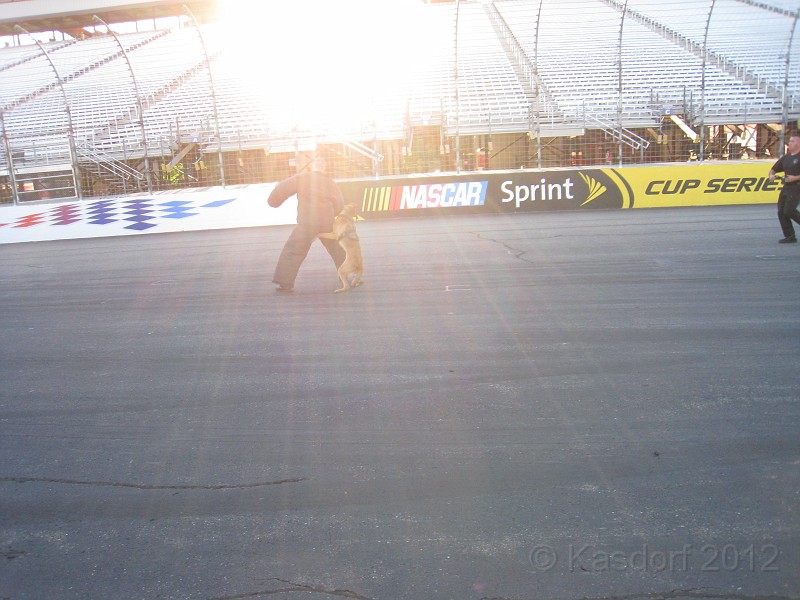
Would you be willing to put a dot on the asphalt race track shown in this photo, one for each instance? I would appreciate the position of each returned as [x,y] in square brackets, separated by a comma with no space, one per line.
[552,406]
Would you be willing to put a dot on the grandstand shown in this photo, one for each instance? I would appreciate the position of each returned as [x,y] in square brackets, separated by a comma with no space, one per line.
[118,97]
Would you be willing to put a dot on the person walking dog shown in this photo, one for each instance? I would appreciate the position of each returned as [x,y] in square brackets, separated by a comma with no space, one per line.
[319,200]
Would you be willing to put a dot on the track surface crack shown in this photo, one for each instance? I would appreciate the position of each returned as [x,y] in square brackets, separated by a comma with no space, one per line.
[297,587]
[516,252]
[142,486]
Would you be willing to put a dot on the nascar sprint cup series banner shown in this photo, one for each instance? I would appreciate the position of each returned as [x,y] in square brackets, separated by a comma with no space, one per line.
[602,188]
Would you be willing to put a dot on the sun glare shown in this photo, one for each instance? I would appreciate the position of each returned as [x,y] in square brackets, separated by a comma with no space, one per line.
[322,64]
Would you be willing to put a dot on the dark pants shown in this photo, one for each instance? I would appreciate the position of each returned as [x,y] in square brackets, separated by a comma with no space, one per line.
[787,211]
[296,249]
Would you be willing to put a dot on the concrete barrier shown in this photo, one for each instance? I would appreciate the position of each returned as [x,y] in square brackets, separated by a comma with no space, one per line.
[707,184]
[704,184]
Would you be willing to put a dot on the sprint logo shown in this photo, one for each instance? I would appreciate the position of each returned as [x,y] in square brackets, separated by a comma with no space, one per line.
[536,191]
[596,189]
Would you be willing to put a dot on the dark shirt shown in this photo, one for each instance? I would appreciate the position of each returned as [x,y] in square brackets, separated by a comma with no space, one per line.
[790,165]
[319,199]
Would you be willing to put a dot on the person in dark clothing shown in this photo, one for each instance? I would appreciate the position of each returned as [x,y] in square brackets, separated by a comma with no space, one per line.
[789,198]
[319,200]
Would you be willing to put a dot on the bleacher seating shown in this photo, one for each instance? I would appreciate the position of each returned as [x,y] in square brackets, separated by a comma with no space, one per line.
[482,92]
[656,72]
[747,36]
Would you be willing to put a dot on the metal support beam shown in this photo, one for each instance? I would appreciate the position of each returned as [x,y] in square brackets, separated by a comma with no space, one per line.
[690,133]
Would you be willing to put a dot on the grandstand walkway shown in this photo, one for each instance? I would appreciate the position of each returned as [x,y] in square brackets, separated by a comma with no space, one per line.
[598,404]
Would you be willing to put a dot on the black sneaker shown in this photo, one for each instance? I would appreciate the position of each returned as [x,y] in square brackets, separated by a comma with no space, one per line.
[790,239]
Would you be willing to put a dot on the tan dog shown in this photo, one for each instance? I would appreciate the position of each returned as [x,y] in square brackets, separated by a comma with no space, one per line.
[344,231]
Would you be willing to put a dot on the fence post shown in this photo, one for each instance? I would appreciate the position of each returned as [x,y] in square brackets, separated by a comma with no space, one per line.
[785,110]
[703,84]
[76,176]
[139,106]
[213,95]
[620,146]
[12,178]
[455,86]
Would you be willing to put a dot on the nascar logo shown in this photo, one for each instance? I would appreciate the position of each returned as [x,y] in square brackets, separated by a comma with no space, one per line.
[435,195]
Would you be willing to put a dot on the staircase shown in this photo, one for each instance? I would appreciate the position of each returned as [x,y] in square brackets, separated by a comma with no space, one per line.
[83,70]
[620,134]
[542,103]
[354,153]
[34,56]
[132,113]
[117,176]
